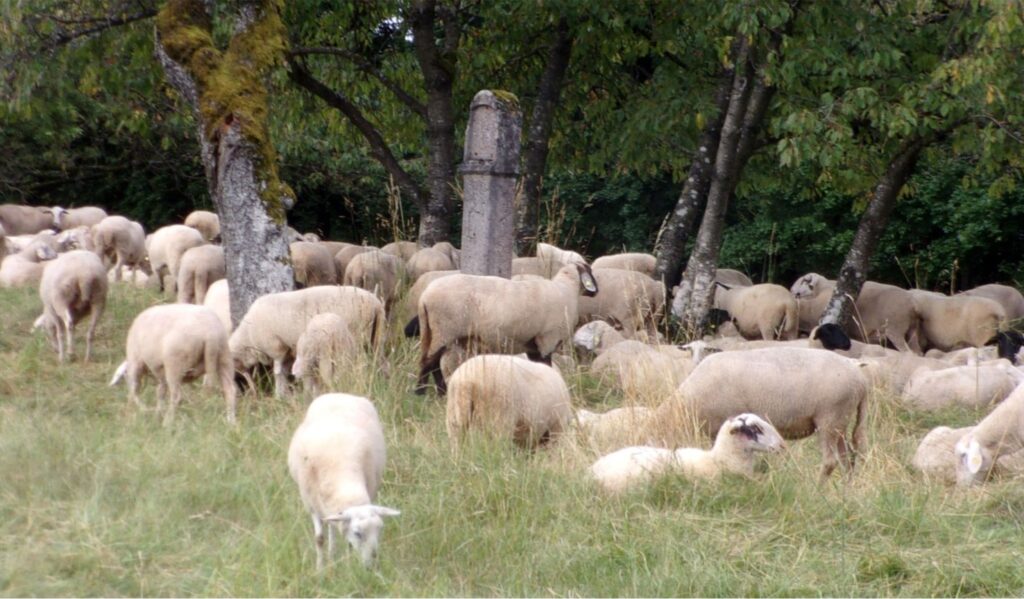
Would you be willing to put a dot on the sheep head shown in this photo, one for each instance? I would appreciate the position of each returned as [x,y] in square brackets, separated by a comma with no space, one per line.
[754,433]
[805,286]
[361,526]
[973,462]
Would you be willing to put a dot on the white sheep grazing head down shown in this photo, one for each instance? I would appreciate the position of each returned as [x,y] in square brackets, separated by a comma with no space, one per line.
[753,433]
[361,525]
[973,462]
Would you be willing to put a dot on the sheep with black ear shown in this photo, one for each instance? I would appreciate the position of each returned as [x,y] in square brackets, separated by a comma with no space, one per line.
[200,267]
[313,264]
[998,434]
[165,248]
[631,300]
[949,323]
[735,450]
[206,222]
[763,311]
[634,261]
[72,287]
[25,220]
[1008,297]
[499,315]
[337,457]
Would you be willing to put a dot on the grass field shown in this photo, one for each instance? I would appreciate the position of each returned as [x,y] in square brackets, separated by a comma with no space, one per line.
[97,498]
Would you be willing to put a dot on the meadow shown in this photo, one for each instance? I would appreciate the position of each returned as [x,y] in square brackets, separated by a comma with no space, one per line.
[98,498]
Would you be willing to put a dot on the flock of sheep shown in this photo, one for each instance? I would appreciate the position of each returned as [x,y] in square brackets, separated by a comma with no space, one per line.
[496,349]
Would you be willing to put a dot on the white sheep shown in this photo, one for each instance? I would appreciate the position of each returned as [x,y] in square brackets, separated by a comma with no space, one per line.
[498,315]
[75,238]
[313,264]
[765,311]
[218,299]
[800,390]
[732,278]
[936,457]
[630,300]
[200,267]
[336,457]
[73,286]
[345,255]
[973,385]
[269,331]
[17,219]
[412,297]
[166,246]
[1008,297]
[738,441]
[377,272]
[429,260]
[634,261]
[638,369]
[998,434]
[176,343]
[509,397]
[120,242]
[324,346]
[206,222]
[86,216]
[616,427]
[25,267]
[401,249]
[949,323]
[881,312]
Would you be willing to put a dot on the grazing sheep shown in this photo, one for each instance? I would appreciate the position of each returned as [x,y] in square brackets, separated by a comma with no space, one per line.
[333,247]
[313,265]
[200,267]
[377,272]
[24,220]
[936,457]
[800,390]
[269,331]
[76,238]
[336,457]
[429,260]
[176,343]
[326,344]
[165,248]
[120,242]
[763,311]
[345,255]
[499,315]
[637,262]
[949,323]
[738,441]
[73,286]
[974,385]
[218,299]
[86,216]
[402,250]
[882,312]
[732,278]
[998,434]
[630,300]
[25,267]
[1008,297]
[509,397]
[206,222]
[412,298]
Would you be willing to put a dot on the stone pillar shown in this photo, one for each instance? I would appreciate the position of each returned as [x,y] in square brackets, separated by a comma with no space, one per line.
[490,168]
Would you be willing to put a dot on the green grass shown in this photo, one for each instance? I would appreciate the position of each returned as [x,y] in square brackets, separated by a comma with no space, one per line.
[97,498]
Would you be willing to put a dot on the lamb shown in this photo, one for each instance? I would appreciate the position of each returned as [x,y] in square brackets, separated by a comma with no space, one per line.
[799,390]
[73,286]
[378,272]
[935,456]
[269,331]
[313,265]
[508,397]
[325,344]
[25,267]
[218,299]
[634,261]
[767,311]
[738,441]
[24,220]
[86,216]
[401,249]
[1008,297]
[166,247]
[344,256]
[949,323]
[998,434]
[974,385]
[336,457]
[200,267]
[498,314]
[206,222]
[120,242]
[176,343]
[630,300]
[429,260]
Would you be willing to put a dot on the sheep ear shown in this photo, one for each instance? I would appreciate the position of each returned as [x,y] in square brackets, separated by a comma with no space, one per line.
[344,517]
[974,459]
[380,510]
[587,280]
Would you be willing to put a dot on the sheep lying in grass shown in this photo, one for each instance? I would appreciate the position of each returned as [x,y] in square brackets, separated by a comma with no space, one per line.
[325,345]
[637,369]
[72,287]
[800,390]
[509,397]
[626,425]
[738,441]
[498,315]
[336,457]
[998,434]
[973,385]
[206,222]
[176,343]
[26,266]
[935,456]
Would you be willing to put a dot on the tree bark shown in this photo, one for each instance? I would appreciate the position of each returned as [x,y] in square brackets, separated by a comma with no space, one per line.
[438,67]
[238,158]
[537,138]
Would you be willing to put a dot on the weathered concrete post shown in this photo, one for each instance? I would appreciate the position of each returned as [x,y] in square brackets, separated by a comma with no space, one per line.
[490,167]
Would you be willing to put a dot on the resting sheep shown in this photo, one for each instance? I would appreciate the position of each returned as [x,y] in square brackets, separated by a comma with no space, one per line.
[974,385]
[176,343]
[25,267]
[634,261]
[638,369]
[313,265]
[998,434]
[72,287]
[509,397]
[200,267]
[165,248]
[206,222]
[498,315]
[120,242]
[325,346]
[336,457]
[763,311]
[738,441]
[949,323]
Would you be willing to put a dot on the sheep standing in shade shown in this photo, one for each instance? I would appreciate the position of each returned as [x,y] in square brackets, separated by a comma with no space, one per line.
[200,267]
[1008,297]
[165,248]
[206,222]
[336,457]
[949,323]
[120,242]
[72,287]
[86,216]
[324,346]
[763,311]
[738,441]
[313,265]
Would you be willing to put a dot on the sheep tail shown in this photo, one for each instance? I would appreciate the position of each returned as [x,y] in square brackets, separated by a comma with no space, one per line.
[412,329]
[377,330]
[119,373]
[859,426]
[211,363]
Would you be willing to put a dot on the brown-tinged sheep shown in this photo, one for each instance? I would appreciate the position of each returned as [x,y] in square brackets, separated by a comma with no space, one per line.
[200,267]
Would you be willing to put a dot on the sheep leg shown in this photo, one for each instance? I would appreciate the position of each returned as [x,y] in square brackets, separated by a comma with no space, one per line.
[69,329]
[318,541]
[430,365]
[829,453]
[174,385]
[94,317]
[132,379]
[59,334]
[161,393]
[331,534]
[280,379]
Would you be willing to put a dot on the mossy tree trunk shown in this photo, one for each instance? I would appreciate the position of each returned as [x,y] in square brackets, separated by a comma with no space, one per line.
[228,97]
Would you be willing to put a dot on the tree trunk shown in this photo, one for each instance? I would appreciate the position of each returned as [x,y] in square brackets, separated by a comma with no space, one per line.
[683,220]
[238,158]
[872,224]
[537,137]
[438,67]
